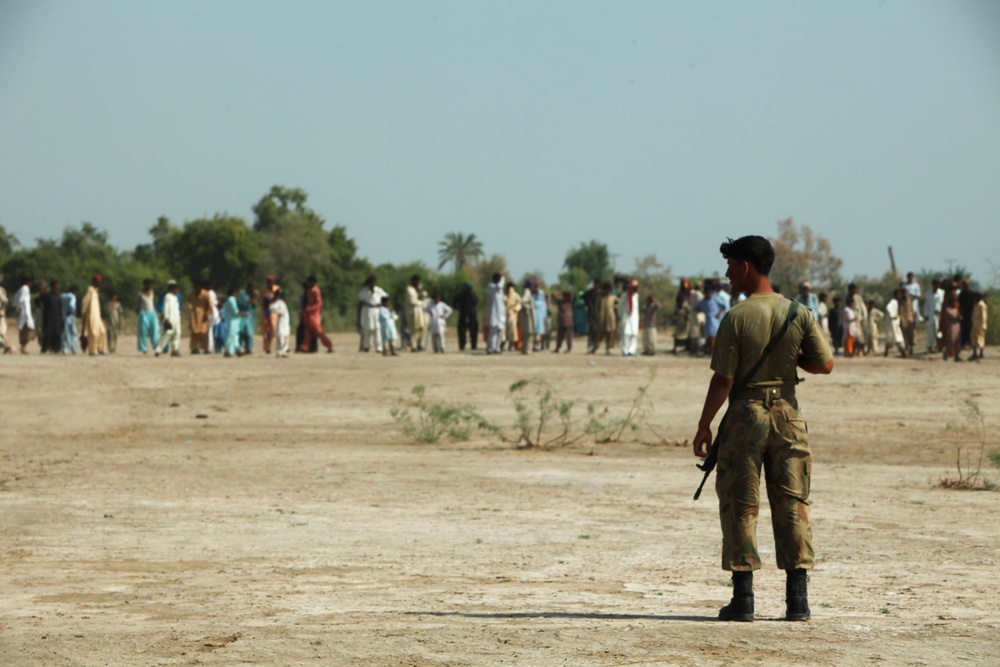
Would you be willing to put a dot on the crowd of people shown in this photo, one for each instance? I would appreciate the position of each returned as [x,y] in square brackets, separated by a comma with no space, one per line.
[954,317]
[223,324]
[528,320]
[522,320]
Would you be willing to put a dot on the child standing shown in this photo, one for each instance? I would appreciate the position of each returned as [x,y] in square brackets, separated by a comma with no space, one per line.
[387,323]
[437,314]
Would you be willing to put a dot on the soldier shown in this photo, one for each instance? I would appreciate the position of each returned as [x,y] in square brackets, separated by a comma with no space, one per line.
[761,341]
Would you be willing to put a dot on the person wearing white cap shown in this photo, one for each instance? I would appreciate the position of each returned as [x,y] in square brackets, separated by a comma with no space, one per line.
[172,319]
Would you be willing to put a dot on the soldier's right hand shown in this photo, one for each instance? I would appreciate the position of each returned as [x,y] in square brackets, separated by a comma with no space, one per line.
[702,442]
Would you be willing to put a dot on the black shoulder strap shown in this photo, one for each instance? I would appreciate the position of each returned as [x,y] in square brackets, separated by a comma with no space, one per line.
[793,310]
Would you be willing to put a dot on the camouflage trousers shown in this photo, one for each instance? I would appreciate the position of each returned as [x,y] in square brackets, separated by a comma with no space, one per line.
[768,434]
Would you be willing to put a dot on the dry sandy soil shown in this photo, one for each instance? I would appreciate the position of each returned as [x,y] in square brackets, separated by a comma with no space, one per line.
[202,511]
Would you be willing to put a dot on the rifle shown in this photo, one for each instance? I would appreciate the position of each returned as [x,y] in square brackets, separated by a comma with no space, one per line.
[708,465]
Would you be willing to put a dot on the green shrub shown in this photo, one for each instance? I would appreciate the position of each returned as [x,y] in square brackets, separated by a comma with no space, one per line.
[435,420]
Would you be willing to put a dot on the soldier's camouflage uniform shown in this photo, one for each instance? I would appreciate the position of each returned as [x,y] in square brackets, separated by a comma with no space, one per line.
[764,430]
[769,433]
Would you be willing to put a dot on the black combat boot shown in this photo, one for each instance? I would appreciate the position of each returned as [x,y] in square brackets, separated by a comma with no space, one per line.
[740,608]
[796,597]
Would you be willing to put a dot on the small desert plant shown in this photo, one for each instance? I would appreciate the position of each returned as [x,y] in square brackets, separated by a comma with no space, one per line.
[638,411]
[435,420]
[543,418]
[970,449]
[995,458]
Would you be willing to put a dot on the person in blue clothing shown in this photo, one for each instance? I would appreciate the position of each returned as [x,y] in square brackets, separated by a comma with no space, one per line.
[387,323]
[714,307]
[580,315]
[231,314]
[248,321]
[220,333]
[148,323]
[543,328]
[70,334]
[808,299]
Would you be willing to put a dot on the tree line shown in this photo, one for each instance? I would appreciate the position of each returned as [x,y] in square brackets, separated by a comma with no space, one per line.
[292,241]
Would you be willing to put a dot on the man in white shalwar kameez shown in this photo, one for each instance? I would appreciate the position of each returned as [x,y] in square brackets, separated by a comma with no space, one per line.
[25,320]
[496,311]
[628,320]
[893,327]
[369,301]
[171,320]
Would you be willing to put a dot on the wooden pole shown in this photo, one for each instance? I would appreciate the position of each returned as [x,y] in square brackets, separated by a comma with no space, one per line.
[892,262]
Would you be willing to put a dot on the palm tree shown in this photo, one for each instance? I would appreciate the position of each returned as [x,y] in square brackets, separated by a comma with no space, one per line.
[459,248]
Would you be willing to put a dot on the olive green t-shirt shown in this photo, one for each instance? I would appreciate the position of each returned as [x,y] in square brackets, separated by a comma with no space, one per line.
[747,329]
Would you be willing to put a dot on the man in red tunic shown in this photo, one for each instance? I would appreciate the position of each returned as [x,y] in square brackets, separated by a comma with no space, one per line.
[311,317]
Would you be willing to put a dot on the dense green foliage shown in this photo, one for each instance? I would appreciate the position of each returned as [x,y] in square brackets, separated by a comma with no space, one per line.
[585,264]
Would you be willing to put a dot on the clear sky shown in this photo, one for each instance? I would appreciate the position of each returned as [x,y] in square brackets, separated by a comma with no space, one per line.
[655,127]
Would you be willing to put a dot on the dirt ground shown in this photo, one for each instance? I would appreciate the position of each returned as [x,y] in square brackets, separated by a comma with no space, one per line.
[203,511]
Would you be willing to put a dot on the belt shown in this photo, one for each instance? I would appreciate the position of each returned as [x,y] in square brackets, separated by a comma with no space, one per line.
[772,393]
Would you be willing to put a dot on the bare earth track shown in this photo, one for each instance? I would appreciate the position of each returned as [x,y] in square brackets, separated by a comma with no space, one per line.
[291,524]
